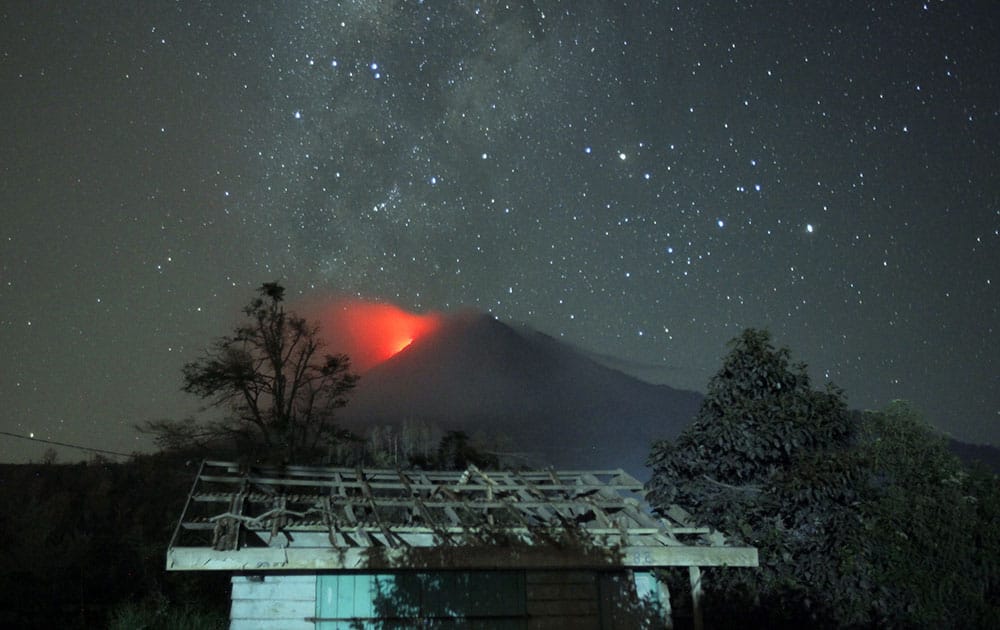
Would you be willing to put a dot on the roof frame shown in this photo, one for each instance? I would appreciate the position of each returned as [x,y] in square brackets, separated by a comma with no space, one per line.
[241,518]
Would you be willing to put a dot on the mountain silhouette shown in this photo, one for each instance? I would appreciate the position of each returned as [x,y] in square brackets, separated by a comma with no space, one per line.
[554,404]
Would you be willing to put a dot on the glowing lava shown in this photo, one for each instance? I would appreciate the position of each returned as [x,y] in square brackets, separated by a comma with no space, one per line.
[370,332]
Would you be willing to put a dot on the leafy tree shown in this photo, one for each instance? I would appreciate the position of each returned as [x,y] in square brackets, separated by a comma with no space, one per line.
[860,520]
[456,452]
[85,537]
[767,460]
[930,526]
[280,390]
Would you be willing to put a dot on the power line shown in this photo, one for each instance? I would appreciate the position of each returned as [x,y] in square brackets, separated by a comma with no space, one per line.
[76,446]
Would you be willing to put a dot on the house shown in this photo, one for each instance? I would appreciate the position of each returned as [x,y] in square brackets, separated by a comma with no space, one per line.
[325,548]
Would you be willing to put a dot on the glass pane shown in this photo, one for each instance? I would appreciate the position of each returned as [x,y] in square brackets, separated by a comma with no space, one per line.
[447,599]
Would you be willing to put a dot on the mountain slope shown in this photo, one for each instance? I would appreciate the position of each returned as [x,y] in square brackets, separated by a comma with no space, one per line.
[553,402]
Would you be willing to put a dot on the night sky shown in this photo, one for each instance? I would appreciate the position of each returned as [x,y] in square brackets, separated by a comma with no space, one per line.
[641,179]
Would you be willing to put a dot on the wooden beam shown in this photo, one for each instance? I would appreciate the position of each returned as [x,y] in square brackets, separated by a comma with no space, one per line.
[563,481]
[389,538]
[458,557]
[668,612]
[686,556]
[694,573]
[453,500]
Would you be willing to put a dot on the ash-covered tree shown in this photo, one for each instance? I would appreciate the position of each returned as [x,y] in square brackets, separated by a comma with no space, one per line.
[457,452]
[929,526]
[860,519]
[768,462]
[280,390]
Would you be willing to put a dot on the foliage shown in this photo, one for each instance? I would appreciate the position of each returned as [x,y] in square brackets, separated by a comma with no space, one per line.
[79,538]
[157,613]
[483,599]
[767,461]
[415,444]
[388,446]
[930,526]
[456,452]
[859,520]
[281,391]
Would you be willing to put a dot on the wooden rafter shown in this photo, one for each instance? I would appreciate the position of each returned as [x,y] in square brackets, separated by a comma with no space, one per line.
[387,516]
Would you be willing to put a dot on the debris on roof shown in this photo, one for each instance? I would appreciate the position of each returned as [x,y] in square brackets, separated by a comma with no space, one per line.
[295,517]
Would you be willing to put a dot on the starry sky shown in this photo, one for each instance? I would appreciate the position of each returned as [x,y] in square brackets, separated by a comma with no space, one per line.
[641,179]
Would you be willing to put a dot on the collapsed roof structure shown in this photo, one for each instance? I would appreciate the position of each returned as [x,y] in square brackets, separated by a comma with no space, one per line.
[325,519]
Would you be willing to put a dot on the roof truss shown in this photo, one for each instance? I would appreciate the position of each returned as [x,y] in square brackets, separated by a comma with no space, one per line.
[253,519]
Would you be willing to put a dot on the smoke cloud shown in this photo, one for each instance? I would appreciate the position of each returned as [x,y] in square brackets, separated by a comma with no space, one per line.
[370,332]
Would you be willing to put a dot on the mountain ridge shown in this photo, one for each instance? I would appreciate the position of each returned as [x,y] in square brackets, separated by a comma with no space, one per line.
[476,372]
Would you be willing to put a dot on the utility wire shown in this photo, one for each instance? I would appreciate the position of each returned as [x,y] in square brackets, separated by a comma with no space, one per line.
[76,446]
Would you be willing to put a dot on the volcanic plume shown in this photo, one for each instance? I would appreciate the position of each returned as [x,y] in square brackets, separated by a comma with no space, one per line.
[550,402]
[371,332]
[467,371]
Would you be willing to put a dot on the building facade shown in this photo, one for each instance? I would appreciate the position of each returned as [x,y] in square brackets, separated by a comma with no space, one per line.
[321,547]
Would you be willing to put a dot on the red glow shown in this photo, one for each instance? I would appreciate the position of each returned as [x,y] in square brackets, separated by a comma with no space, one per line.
[371,332]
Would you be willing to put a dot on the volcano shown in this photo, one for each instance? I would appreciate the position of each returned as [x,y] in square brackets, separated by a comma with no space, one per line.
[555,405]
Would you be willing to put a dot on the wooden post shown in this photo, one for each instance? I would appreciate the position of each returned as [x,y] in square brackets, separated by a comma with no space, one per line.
[695,574]
[668,613]
[649,588]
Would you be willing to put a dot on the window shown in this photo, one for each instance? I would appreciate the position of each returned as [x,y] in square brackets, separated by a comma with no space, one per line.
[445,599]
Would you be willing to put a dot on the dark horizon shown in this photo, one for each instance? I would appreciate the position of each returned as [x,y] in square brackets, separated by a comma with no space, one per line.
[494,380]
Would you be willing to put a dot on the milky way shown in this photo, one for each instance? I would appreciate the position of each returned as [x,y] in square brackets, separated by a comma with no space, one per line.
[640,179]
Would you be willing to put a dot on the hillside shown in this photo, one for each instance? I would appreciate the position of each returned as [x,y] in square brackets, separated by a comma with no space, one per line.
[555,404]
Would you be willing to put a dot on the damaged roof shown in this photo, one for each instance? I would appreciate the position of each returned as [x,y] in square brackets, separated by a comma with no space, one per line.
[241,518]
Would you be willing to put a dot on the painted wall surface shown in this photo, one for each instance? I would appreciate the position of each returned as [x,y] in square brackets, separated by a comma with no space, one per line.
[273,602]
[494,600]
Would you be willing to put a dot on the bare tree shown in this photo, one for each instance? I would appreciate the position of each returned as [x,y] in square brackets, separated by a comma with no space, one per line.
[279,388]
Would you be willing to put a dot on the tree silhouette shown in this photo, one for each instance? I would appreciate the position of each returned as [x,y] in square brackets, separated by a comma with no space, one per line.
[860,519]
[279,388]
[768,461]
[455,452]
[930,526]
